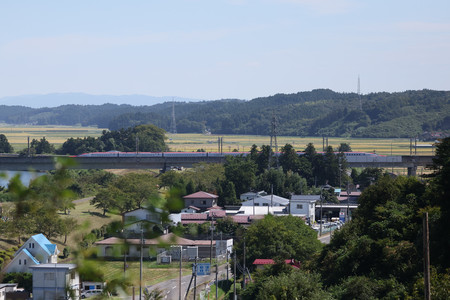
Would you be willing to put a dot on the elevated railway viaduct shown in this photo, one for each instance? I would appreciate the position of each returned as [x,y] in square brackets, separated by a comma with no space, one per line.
[45,163]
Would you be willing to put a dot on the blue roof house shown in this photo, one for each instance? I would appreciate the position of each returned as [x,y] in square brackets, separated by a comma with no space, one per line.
[37,250]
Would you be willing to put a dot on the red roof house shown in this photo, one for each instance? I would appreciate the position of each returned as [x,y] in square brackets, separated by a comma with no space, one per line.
[202,200]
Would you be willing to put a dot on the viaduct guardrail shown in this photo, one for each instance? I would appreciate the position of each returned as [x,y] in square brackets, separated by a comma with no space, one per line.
[45,163]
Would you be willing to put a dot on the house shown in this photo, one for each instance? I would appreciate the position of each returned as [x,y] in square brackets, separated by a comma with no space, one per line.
[251,195]
[142,218]
[260,263]
[55,281]
[304,205]
[37,250]
[113,247]
[190,210]
[268,200]
[201,200]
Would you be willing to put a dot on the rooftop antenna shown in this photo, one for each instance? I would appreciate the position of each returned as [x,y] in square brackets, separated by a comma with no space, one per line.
[173,125]
[359,94]
[273,139]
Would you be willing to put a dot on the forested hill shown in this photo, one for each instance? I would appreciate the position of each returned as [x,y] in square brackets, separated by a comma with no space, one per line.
[315,113]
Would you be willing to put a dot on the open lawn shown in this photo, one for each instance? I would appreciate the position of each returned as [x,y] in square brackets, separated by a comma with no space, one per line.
[88,218]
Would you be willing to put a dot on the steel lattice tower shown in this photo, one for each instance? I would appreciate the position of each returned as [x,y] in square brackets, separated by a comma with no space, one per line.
[173,125]
[273,139]
[359,95]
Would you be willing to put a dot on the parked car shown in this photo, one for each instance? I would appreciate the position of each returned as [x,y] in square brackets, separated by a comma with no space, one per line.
[90,293]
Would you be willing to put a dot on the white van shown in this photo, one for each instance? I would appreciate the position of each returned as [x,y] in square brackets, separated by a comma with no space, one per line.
[90,293]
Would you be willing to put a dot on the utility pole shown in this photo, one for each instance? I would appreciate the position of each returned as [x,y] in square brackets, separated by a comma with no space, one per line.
[210,249]
[426,257]
[243,273]
[140,265]
[181,262]
[320,229]
[273,140]
[234,285]
[217,282]
[173,124]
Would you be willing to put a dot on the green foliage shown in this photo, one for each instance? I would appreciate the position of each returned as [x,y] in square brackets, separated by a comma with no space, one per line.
[227,226]
[66,252]
[41,146]
[284,237]
[24,280]
[290,284]
[5,146]
[148,138]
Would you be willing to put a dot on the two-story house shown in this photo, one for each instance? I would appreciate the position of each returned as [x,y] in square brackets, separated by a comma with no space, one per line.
[201,200]
[37,250]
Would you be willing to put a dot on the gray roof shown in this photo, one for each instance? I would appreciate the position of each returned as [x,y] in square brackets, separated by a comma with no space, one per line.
[305,197]
[54,266]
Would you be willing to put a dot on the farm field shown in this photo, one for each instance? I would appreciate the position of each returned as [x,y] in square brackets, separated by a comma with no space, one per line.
[17,136]
[57,135]
[192,142]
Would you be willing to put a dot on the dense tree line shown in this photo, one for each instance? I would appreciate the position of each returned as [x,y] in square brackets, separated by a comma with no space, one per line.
[316,113]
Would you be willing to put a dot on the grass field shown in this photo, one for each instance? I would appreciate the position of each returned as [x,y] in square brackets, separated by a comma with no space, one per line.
[88,218]
[17,136]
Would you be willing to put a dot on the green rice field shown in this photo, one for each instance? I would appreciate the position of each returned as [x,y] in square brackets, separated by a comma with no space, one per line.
[18,137]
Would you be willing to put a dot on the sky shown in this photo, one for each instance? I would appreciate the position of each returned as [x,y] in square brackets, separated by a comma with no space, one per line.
[218,49]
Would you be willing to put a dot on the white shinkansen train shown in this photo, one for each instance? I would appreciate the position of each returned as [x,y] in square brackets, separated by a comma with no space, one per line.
[350,156]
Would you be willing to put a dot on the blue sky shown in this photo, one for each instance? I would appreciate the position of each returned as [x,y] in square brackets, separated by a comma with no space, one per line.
[214,49]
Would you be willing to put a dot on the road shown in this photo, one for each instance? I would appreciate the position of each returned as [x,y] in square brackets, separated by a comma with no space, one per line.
[325,238]
[171,290]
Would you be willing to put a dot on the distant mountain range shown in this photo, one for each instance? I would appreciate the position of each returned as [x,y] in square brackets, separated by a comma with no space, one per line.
[320,112]
[59,99]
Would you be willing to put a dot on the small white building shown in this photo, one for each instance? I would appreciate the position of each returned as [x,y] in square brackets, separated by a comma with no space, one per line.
[304,205]
[268,200]
[37,250]
[7,288]
[55,281]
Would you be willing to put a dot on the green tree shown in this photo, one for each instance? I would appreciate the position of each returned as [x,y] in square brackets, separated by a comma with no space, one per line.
[289,159]
[344,147]
[293,284]
[228,195]
[241,173]
[284,237]
[104,200]
[5,146]
[42,146]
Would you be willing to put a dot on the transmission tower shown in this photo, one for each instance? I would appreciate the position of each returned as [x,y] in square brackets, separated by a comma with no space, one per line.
[273,140]
[359,95]
[173,125]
